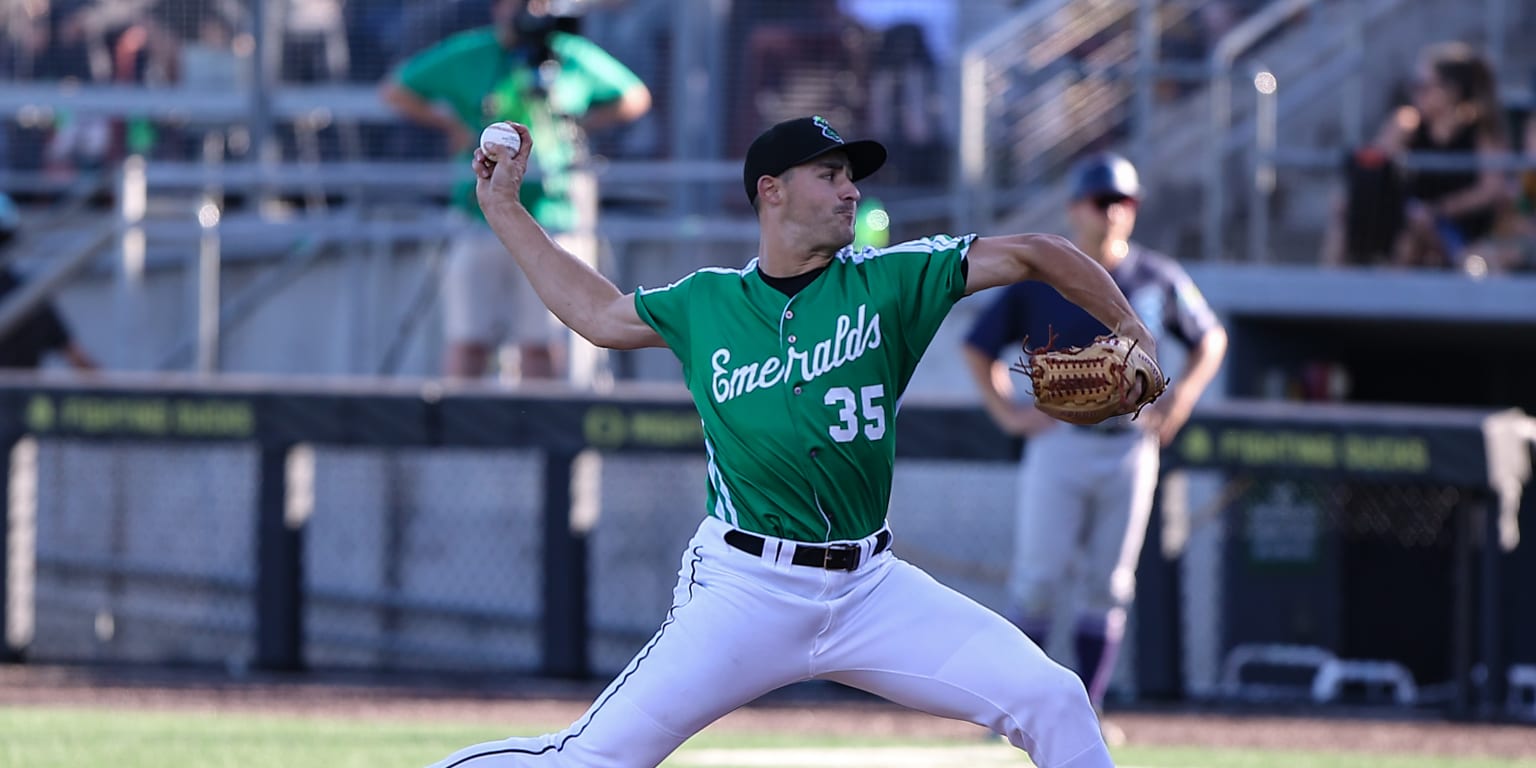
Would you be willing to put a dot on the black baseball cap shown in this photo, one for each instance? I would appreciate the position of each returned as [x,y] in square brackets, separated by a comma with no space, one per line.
[801,140]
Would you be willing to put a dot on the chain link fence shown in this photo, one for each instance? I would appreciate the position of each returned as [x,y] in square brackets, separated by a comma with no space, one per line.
[142,551]
[413,559]
[1299,590]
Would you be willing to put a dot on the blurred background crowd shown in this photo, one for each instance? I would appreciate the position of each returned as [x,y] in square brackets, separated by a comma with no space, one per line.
[1322,133]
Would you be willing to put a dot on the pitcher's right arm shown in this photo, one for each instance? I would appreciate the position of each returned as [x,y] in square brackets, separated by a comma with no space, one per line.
[586,301]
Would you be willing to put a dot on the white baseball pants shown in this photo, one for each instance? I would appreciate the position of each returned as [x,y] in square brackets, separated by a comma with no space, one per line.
[743,625]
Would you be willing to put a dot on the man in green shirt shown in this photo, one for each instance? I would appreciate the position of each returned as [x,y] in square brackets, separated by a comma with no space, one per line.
[520,69]
[797,363]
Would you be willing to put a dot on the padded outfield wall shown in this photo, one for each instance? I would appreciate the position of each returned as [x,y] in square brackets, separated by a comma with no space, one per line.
[407,528]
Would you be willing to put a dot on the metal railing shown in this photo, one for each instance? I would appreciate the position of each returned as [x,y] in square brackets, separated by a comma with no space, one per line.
[175,210]
[206,235]
[179,205]
[1032,99]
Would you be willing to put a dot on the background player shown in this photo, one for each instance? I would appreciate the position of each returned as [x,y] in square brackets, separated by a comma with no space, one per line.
[1086,492]
[796,363]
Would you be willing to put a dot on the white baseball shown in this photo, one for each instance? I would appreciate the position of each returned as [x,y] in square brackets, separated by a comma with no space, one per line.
[501,133]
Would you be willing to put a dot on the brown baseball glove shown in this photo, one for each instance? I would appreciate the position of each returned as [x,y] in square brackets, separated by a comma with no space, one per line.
[1086,385]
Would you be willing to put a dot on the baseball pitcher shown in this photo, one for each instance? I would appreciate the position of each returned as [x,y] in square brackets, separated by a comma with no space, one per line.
[797,363]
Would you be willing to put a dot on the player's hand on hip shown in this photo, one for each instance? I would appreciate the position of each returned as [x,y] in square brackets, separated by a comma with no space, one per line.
[1028,421]
[499,172]
[1165,420]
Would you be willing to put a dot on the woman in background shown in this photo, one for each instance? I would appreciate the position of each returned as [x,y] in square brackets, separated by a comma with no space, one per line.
[1454,110]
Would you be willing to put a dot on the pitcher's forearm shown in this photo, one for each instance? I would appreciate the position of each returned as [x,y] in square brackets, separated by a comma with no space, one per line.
[571,289]
[1054,260]
[1080,280]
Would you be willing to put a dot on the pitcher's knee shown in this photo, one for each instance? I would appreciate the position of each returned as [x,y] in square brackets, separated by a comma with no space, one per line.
[1051,694]
[1051,718]
[1064,694]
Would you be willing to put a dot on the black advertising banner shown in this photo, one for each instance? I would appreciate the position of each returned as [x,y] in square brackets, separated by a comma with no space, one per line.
[143,415]
[1450,446]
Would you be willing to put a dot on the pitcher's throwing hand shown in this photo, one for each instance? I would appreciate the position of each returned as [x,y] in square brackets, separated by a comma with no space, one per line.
[499,171]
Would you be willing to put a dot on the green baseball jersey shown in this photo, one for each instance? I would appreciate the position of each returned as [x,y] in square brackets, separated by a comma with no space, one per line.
[798,395]
[482,82]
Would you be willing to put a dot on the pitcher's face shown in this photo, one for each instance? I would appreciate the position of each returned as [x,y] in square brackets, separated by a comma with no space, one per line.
[822,200]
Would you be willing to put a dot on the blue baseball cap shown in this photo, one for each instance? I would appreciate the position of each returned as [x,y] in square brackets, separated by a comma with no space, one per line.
[1105,175]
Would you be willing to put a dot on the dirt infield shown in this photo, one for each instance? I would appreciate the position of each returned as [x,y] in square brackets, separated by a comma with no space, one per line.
[816,711]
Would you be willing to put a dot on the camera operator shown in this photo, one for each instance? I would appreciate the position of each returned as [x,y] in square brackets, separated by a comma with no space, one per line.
[525,68]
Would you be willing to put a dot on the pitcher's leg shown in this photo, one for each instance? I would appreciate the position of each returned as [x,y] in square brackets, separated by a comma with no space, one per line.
[725,642]
[921,644]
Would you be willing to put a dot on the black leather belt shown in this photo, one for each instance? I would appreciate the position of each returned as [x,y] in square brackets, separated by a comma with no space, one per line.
[834,557]
[1117,429]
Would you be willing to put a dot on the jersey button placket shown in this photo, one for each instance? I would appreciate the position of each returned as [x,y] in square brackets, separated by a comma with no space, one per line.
[789,314]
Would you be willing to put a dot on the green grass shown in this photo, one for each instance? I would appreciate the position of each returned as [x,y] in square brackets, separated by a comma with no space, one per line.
[1173,757]
[75,737]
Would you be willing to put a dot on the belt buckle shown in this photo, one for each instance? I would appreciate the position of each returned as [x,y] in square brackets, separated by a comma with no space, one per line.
[853,564]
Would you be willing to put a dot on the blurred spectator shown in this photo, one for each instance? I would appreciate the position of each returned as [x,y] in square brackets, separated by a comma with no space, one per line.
[187,43]
[799,57]
[55,41]
[1186,44]
[425,23]
[314,42]
[1528,174]
[521,68]
[1217,18]
[1431,215]
[641,34]
[44,331]
[1522,251]
[173,27]
[217,58]
[936,18]
[314,50]
[906,109]
[373,30]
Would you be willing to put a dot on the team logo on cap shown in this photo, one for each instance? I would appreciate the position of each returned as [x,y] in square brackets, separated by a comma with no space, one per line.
[826,129]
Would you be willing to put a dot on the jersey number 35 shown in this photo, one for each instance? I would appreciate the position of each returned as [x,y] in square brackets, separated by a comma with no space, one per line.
[851,406]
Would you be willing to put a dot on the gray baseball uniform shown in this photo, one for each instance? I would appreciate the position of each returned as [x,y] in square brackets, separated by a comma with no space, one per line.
[1086,492]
